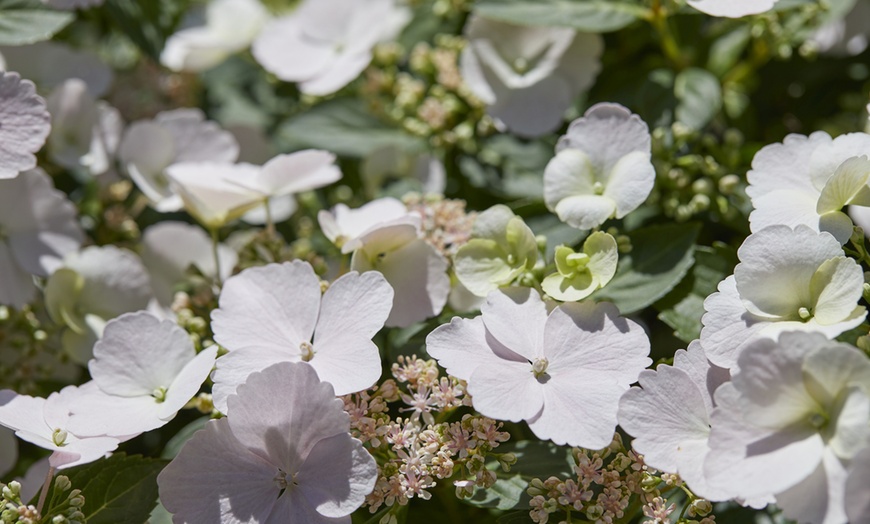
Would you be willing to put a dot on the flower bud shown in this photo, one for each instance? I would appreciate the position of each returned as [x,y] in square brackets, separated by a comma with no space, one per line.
[702,507]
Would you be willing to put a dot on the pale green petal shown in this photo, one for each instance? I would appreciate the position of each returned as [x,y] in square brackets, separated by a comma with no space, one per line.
[564,267]
[848,185]
[521,243]
[62,292]
[492,223]
[570,289]
[481,265]
[836,287]
[603,256]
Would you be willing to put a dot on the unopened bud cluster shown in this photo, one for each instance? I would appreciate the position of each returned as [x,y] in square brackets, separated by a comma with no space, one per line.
[63,507]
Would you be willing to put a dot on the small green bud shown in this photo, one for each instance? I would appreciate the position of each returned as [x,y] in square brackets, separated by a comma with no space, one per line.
[702,507]
[62,483]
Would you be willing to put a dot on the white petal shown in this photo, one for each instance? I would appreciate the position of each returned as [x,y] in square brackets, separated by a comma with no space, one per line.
[353,310]
[337,475]
[187,382]
[706,375]
[594,340]
[215,193]
[50,63]
[607,132]
[351,223]
[461,346]
[283,50]
[534,110]
[138,353]
[732,8]
[97,413]
[777,264]
[585,211]
[23,413]
[630,182]
[234,368]
[569,173]
[280,302]
[506,390]
[516,318]
[298,172]
[857,495]
[346,67]
[116,282]
[819,497]
[837,284]
[24,124]
[39,222]
[750,461]
[197,139]
[728,327]
[786,166]
[216,479]
[282,412]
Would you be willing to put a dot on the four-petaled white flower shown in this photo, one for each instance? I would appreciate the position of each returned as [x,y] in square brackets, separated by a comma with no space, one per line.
[144,371]
[789,422]
[24,124]
[787,280]
[180,135]
[43,422]
[278,313]
[733,8]
[284,454]
[324,44]
[384,236]
[229,27]
[528,76]
[808,180]
[669,416]
[602,168]
[563,373]
[38,228]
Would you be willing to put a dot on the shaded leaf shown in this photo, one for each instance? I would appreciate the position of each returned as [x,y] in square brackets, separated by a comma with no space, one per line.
[700,97]
[29,21]
[598,16]
[660,258]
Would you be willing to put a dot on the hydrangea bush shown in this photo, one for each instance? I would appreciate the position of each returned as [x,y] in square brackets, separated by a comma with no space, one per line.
[434,261]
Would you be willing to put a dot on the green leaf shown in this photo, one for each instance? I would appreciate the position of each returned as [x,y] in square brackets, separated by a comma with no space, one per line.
[595,16]
[683,308]
[727,49]
[535,459]
[29,21]
[517,517]
[700,97]
[659,259]
[343,126]
[147,24]
[117,489]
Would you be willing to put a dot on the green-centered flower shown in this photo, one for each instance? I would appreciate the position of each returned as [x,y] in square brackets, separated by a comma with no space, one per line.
[501,249]
[579,274]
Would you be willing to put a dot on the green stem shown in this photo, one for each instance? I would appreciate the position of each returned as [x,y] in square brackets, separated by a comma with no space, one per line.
[667,39]
[215,242]
[270,223]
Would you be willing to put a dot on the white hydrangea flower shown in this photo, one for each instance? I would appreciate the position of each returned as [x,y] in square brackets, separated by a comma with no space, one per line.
[733,8]
[789,422]
[229,27]
[342,224]
[94,286]
[38,227]
[49,64]
[84,132]
[528,76]
[808,180]
[669,417]
[216,193]
[857,494]
[181,135]
[169,248]
[414,268]
[324,44]
[43,422]
[24,124]
[787,280]
[277,313]
[267,463]
[8,450]
[602,168]
[144,371]
[384,236]
[502,247]
[563,373]
[578,275]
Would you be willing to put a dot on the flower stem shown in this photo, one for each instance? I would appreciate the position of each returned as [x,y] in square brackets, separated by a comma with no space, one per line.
[215,242]
[45,487]
[667,40]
